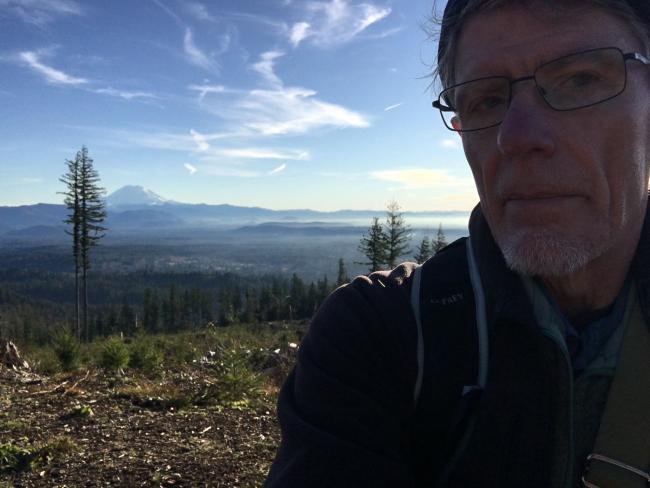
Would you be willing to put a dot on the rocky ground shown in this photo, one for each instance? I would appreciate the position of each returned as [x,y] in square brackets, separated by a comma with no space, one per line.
[89,428]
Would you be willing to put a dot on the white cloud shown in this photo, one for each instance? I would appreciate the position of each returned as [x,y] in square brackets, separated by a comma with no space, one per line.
[260,153]
[279,169]
[265,66]
[337,21]
[206,88]
[39,12]
[299,31]
[220,170]
[450,143]
[278,110]
[31,181]
[392,107]
[52,75]
[127,95]
[196,56]
[424,178]
[190,168]
[198,11]
[294,110]
[200,140]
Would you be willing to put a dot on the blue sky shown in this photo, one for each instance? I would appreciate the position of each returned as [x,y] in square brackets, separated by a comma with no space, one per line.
[319,104]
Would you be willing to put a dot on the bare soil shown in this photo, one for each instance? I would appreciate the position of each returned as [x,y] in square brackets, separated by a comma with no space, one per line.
[129,443]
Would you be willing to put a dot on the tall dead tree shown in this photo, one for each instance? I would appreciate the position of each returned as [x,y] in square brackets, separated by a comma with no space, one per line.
[84,199]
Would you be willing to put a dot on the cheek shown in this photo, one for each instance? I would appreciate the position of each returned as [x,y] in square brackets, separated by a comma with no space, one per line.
[479,152]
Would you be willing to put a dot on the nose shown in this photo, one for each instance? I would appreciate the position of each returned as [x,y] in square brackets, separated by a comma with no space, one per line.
[526,129]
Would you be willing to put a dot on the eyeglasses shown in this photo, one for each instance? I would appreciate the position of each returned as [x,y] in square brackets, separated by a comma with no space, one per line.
[571,82]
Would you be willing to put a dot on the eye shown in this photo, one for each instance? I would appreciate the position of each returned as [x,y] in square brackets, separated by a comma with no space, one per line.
[582,79]
[486,103]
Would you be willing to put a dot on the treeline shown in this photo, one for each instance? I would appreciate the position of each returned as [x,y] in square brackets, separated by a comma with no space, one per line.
[167,308]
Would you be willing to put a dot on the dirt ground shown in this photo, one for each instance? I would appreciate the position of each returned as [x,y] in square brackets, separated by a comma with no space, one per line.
[124,442]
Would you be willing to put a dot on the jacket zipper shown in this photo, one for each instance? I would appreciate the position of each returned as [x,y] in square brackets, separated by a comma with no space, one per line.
[553,335]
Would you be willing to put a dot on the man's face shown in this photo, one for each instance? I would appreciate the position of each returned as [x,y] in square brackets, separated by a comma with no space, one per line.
[558,189]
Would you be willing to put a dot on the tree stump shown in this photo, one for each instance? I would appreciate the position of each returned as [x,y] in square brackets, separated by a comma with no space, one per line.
[10,357]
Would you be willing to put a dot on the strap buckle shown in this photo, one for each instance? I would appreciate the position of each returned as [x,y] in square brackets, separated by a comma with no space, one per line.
[612,462]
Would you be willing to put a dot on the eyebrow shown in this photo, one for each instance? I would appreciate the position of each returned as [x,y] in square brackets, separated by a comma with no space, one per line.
[489,68]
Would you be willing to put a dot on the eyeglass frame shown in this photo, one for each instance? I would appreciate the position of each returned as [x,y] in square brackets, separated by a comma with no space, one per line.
[634,56]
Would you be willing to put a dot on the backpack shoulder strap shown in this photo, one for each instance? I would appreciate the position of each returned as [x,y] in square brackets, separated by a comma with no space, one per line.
[452,356]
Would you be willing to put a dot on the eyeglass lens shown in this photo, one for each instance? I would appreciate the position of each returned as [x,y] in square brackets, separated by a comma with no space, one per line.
[568,83]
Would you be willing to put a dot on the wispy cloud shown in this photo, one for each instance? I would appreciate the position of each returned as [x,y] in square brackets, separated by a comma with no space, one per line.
[190,168]
[450,143]
[127,95]
[196,56]
[424,178]
[202,144]
[279,109]
[299,32]
[279,169]
[198,11]
[260,153]
[294,110]
[392,107]
[32,60]
[207,88]
[221,170]
[335,22]
[39,12]
[265,67]
[30,180]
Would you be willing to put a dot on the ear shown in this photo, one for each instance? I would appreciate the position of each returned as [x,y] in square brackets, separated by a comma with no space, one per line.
[455,123]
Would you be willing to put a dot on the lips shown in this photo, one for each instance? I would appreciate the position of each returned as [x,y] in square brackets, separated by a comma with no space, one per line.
[539,196]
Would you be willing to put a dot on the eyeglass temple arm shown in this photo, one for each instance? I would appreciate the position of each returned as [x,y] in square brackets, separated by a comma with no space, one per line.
[637,57]
[441,107]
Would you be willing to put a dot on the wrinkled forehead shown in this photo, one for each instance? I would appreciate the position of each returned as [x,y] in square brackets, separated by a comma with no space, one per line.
[457,13]
[514,40]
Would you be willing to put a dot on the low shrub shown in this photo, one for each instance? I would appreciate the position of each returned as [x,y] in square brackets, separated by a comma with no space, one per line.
[114,355]
[144,355]
[47,362]
[236,385]
[66,347]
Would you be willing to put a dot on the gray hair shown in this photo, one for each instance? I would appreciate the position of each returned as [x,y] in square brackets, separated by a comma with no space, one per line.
[636,12]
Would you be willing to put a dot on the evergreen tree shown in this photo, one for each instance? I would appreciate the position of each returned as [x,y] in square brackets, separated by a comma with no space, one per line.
[312,299]
[92,216]
[342,275]
[440,241]
[297,298]
[84,200]
[397,235]
[424,251]
[251,307]
[171,310]
[127,319]
[373,246]
[71,201]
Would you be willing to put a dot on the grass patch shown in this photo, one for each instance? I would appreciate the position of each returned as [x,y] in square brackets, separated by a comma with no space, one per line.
[12,424]
[155,396]
[24,457]
[79,412]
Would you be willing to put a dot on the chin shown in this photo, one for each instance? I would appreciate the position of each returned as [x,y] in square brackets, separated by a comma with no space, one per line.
[548,253]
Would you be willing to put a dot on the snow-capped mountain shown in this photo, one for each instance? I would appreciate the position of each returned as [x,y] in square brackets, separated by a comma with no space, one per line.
[132,195]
